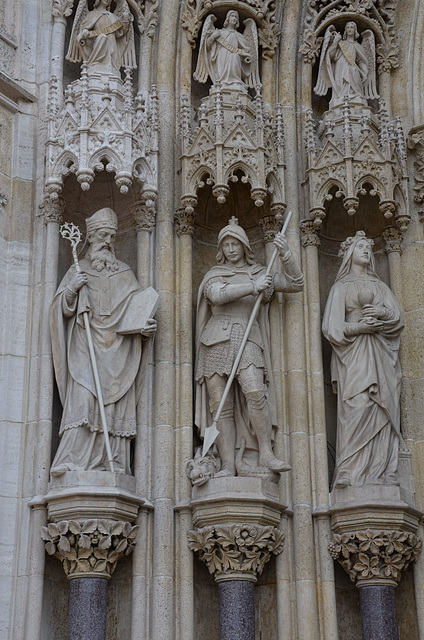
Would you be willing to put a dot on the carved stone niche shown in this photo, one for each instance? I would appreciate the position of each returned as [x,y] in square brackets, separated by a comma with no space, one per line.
[237,138]
[101,126]
[91,516]
[236,522]
[378,16]
[354,152]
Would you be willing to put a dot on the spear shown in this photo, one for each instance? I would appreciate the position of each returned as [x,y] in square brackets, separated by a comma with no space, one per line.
[71,232]
[211,433]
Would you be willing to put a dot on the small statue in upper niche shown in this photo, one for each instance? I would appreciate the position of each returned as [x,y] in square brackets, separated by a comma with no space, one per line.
[227,56]
[103,39]
[346,66]
[363,322]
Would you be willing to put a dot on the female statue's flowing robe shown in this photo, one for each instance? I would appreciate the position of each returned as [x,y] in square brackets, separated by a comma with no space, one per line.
[366,376]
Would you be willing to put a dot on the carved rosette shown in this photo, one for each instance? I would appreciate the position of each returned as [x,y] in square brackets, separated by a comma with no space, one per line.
[309,234]
[236,551]
[378,15]
[375,557]
[90,547]
[184,222]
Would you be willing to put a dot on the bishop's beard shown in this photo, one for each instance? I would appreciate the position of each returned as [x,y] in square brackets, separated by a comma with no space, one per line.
[102,257]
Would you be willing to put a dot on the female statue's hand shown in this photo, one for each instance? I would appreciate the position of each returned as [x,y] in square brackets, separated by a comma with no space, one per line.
[369,325]
[373,311]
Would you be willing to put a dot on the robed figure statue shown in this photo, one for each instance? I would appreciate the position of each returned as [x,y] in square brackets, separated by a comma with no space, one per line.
[363,322]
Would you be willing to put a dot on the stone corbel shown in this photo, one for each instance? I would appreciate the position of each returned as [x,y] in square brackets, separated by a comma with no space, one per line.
[236,551]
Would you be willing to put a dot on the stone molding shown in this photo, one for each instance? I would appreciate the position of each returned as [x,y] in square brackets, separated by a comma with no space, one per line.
[373,557]
[236,551]
[378,15]
[89,547]
[264,12]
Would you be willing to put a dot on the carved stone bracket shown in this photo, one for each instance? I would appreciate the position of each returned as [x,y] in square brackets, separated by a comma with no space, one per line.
[236,551]
[53,209]
[354,152]
[375,557]
[236,139]
[101,126]
[184,222]
[264,12]
[89,547]
[377,15]
[309,236]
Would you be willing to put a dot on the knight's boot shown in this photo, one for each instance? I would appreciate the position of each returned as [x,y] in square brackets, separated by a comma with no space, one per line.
[260,419]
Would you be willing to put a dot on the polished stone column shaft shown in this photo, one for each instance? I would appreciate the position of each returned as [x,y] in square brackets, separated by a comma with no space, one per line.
[87,608]
[378,612]
[236,610]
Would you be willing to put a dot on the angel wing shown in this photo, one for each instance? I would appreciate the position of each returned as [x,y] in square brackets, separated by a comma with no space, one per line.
[324,82]
[74,51]
[250,34]
[128,54]
[368,45]
[203,69]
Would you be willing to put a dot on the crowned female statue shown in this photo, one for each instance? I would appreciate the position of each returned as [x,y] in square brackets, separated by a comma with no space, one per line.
[363,322]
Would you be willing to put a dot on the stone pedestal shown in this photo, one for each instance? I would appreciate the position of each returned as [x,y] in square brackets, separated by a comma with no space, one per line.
[236,534]
[90,528]
[375,541]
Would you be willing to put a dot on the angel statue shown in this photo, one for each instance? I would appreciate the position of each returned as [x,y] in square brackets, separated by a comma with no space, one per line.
[347,67]
[227,56]
[103,39]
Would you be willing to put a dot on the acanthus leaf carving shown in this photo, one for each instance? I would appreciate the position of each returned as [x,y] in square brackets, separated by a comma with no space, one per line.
[62,8]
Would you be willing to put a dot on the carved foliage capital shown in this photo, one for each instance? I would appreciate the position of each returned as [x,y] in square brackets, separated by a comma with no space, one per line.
[144,211]
[184,222]
[270,226]
[375,555]
[309,237]
[393,237]
[236,548]
[62,8]
[53,209]
[91,546]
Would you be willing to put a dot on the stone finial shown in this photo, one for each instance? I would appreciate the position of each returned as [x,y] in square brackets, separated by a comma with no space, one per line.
[90,547]
[373,557]
[236,551]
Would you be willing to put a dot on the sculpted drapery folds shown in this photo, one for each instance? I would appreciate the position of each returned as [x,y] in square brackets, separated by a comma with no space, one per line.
[225,301]
[346,66]
[228,57]
[103,39]
[363,322]
[106,288]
